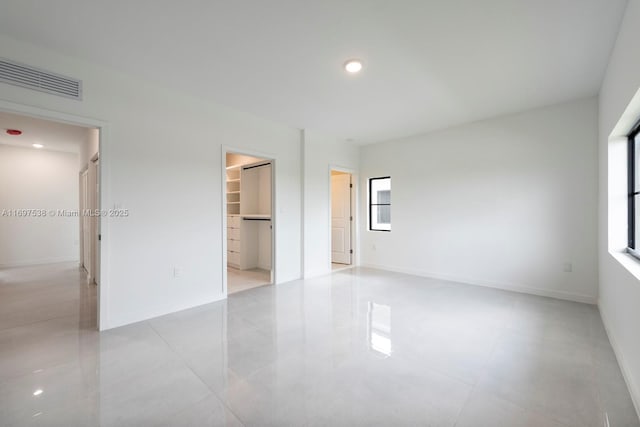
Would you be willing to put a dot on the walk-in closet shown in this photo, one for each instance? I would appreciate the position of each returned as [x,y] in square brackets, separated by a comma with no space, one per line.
[249,223]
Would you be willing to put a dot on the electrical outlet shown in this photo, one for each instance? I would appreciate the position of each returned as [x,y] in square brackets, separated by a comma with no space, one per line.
[177,272]
[567,267]
[373,247]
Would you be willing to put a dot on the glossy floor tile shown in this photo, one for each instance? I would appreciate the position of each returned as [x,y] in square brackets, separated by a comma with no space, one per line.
[359,347]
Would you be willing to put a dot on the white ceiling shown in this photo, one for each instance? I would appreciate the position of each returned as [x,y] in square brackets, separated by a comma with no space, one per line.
[54,136]
[429,64]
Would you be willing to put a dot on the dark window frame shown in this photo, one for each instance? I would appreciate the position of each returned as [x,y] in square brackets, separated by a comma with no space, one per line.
[633,192]
[371,204]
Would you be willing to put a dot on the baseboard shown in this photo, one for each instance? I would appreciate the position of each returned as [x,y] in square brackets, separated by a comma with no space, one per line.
[158,312]
[634,389]
[587,299]
[40,261]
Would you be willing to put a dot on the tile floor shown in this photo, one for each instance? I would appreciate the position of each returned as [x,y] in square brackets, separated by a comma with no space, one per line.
[358,347]
[242,280]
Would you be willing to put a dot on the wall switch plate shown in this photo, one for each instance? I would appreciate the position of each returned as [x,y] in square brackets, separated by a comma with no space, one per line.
[567,267]
[177,272]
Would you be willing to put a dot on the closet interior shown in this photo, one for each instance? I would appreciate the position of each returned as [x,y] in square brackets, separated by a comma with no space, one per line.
[249,225]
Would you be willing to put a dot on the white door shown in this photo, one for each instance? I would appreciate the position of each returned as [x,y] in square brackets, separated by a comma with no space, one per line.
[341,218]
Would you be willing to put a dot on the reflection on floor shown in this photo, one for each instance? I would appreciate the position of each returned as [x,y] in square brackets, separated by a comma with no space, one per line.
[357,347]
[241,280]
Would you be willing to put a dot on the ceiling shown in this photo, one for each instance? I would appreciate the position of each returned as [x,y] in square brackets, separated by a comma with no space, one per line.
[428,64]
[54,136]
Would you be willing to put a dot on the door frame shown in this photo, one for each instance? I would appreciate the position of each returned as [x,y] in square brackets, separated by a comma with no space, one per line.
[355,256]
[104,197]
[83,186]
[94,164]
[223,190]
[89,200]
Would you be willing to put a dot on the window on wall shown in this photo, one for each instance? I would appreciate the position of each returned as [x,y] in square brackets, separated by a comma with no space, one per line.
[633,179]
[380,204]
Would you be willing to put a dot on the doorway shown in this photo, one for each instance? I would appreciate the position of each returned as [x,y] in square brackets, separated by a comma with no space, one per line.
[248,198]
[341,219]
[46,237]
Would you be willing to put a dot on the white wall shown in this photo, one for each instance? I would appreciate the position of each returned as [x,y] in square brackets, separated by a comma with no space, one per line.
[502,202]
[161,159]
[320,155]
[38,179]
[619,288]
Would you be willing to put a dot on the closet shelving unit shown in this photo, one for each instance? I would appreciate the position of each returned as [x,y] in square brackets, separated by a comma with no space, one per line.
[233,190]
[249,216]
[234,176]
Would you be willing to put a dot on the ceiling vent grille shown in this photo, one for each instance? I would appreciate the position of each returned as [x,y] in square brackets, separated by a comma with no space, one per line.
[44,81]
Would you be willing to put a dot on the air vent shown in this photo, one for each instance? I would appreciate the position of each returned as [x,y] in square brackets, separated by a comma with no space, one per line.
[44,81]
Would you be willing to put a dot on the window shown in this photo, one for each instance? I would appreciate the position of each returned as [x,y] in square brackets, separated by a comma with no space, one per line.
[633,179]
[380,204]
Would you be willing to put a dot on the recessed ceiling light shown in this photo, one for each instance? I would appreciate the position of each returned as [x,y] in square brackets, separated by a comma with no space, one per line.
[38,392]
[353,66]
[37,145]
